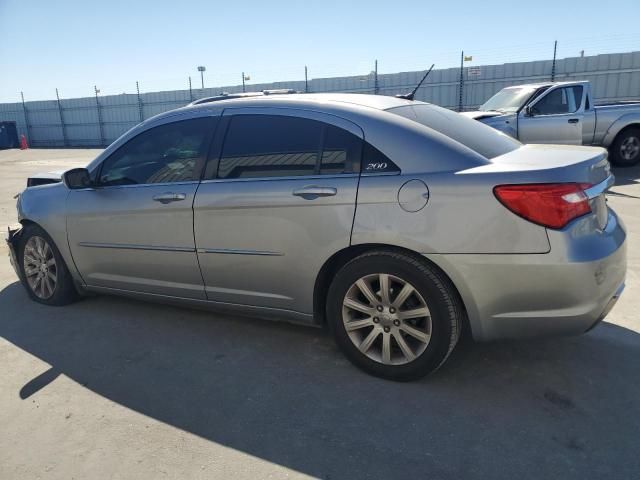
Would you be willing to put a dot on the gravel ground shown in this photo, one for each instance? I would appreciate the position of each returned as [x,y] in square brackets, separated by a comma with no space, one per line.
[114,388]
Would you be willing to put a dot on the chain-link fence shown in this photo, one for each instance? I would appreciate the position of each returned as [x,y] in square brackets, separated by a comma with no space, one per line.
[100,119]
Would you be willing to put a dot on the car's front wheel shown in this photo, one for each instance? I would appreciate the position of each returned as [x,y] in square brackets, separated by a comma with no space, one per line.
[394,315]
[43,271]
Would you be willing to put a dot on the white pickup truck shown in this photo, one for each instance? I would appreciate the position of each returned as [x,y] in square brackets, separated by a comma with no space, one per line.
[565,113]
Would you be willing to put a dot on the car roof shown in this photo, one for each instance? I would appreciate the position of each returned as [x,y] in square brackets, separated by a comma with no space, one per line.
[545,84]
[389,124]
[375,116]
[378,102]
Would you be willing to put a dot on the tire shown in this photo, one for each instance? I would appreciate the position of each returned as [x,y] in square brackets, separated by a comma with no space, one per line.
[56,286]
[406,356]
[625,149]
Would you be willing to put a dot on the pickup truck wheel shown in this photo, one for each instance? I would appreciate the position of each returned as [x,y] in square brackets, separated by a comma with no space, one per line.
[43,272]
[625,149]
[393,315]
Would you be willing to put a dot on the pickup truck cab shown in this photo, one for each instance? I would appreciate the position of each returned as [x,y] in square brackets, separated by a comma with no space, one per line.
[565,113]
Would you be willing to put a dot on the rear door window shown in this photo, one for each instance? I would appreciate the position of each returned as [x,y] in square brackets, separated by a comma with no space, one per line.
[261,146]
[341,151]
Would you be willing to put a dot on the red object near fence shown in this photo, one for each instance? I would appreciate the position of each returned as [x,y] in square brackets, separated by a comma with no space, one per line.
[23,142]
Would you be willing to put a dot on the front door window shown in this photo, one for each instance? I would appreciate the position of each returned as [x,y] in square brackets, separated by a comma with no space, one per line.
[560,101]
[174,152]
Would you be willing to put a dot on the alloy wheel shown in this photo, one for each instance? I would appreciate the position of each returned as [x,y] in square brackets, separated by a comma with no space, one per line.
[40,267]
[629,148]
[387,319]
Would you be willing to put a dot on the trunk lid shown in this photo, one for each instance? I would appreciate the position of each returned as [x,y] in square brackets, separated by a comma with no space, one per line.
[533,164]
[549,163]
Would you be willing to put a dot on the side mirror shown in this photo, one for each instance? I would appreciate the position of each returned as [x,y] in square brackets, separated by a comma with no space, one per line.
[76,178]
[528,111]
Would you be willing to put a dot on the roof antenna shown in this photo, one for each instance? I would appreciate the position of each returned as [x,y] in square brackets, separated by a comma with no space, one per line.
[409,96]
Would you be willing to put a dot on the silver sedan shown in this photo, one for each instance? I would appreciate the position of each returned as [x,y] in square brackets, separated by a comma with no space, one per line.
[396,223]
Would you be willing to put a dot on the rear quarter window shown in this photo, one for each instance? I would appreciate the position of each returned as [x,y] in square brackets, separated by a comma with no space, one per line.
[480,138]
[374,161]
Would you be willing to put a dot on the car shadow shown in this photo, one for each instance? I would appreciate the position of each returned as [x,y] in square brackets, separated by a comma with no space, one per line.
[626,175]
[561,408]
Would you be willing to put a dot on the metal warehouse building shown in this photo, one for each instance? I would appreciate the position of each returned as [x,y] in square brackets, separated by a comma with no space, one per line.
[99,120]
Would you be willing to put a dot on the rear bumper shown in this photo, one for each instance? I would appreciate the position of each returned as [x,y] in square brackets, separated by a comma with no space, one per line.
[609,307]
[567,291]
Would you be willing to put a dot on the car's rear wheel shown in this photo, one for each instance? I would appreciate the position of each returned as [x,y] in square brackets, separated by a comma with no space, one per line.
[625,149]
[394,315]
[43,271]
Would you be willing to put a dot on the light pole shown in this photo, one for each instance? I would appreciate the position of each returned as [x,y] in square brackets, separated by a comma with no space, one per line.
[244,77]
[202,69]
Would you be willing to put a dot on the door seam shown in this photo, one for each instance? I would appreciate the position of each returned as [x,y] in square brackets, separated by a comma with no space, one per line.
[195,245]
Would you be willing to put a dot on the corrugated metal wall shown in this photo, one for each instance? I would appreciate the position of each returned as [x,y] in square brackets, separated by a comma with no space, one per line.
[614,77]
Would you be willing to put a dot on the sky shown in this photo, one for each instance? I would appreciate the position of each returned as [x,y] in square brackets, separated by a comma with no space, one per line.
[73,45]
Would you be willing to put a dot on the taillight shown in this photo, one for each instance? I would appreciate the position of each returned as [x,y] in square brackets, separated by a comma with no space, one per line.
[551,205]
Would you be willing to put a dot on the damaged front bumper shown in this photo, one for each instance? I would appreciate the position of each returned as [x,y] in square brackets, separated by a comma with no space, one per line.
[13,234]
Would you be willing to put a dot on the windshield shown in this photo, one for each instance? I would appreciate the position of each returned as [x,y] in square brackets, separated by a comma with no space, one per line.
[480,138]
[508,99]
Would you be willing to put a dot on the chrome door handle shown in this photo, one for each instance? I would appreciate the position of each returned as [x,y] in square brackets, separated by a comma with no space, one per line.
[573,120]
[169,197]
[311,192]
